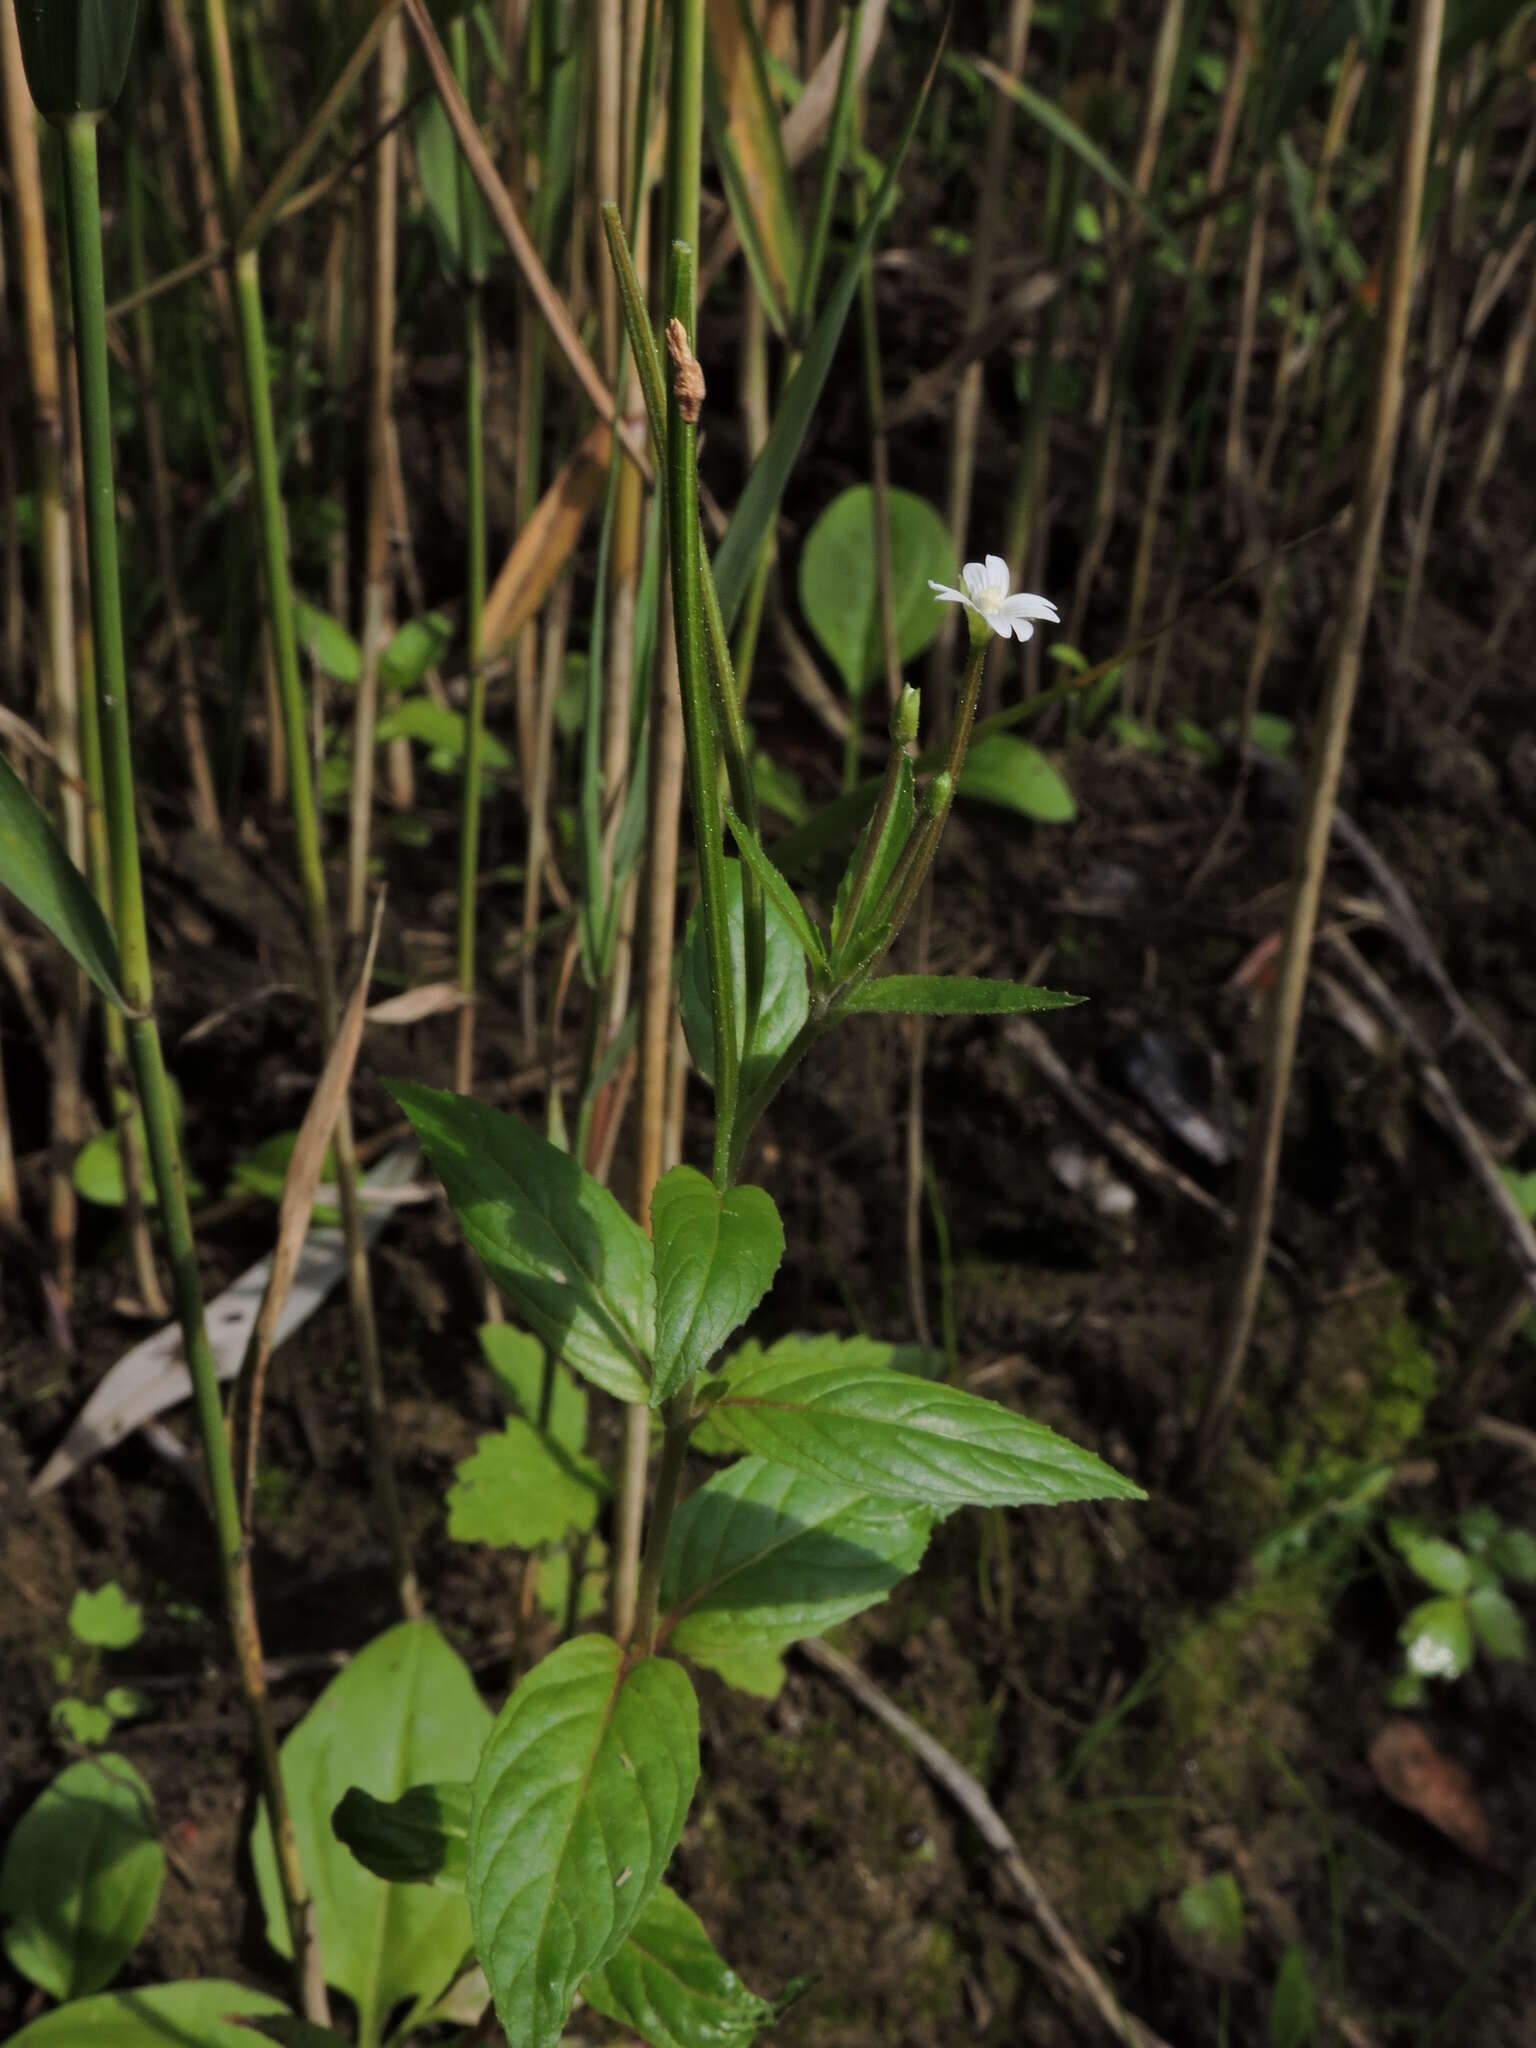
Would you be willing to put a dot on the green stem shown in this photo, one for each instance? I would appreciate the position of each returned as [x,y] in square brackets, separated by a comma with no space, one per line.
[674,1452]
[474,470]
[831,168]
[929,835]
[83,205]
[698,728]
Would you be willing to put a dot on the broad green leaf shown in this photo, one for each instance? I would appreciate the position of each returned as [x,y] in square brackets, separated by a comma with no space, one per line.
[716,1255]
[886,1433]
[763,1555]
[669,1985]
[953,995]
[735,560]
[1496,1623]
[439,727]
[840,580]
[106,1619]
[576,1268]
[786,999]
[264,1171]
[289,2032]
[418,1838]
[327,643]
[404,1712]
[579,1801]
[749,149]
[1431,1558]
[76,55]
[520,1364]
[200,2015]
[756,1671]
[38,872]
[522,1488]
[1005,770]
[419,643]
[776,889]
[1212,1911]
[81,1876]
[554,1580]
[895,831]
[83,1721]
[1437,1635]
[826,1349]
[437,165]
[1292,2007]
[97,1171]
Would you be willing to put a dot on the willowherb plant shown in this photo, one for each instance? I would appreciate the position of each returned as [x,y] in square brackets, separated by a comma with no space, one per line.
[841,1458]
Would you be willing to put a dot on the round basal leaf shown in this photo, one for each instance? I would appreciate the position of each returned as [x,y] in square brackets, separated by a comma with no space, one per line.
[82,1721]
[327,643]
[419,643]
[786,996]
[579,1801]
[158,2016]
[1438,1638]
[1005,770]
[883,1432]
[840,583]
[106,1619]
[404,1712]
[669,1985]
[762,1556]
[76,52]
[716,1255]
[81,1877]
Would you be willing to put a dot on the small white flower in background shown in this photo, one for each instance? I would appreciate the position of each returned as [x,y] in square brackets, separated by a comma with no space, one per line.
[986,594]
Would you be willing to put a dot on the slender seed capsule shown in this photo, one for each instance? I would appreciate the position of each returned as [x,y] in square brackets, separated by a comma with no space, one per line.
[904,717]
[75,52]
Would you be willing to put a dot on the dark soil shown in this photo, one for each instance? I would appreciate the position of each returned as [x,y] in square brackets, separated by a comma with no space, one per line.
[1142,1705]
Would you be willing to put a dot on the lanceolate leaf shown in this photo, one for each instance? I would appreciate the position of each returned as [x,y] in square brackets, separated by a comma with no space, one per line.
[763,1555]
[418,1838]
[404,1712]
[556,1243]
[886,1433]
[894,834]
[669,1985]
[786,999]
[82,1872]
[716,1255]
[37,871]
[579,1801]
[953,995]
[777,889]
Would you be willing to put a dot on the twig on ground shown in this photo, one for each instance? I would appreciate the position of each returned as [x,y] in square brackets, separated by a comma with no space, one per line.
[1131,1149]
[970,1796]
[1473,1145]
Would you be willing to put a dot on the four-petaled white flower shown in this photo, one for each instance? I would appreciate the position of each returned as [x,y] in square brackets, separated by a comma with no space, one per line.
[986,594]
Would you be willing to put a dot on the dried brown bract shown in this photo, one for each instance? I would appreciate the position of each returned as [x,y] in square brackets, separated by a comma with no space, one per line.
[688,385]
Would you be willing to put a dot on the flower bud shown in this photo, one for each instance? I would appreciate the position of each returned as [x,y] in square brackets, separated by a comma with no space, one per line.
[904,717]
[75,52]
[938,793]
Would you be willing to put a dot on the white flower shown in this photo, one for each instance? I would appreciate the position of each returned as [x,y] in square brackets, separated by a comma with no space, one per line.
[986,594]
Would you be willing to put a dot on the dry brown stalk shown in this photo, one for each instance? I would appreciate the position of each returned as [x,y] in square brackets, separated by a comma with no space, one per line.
[1378,448]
